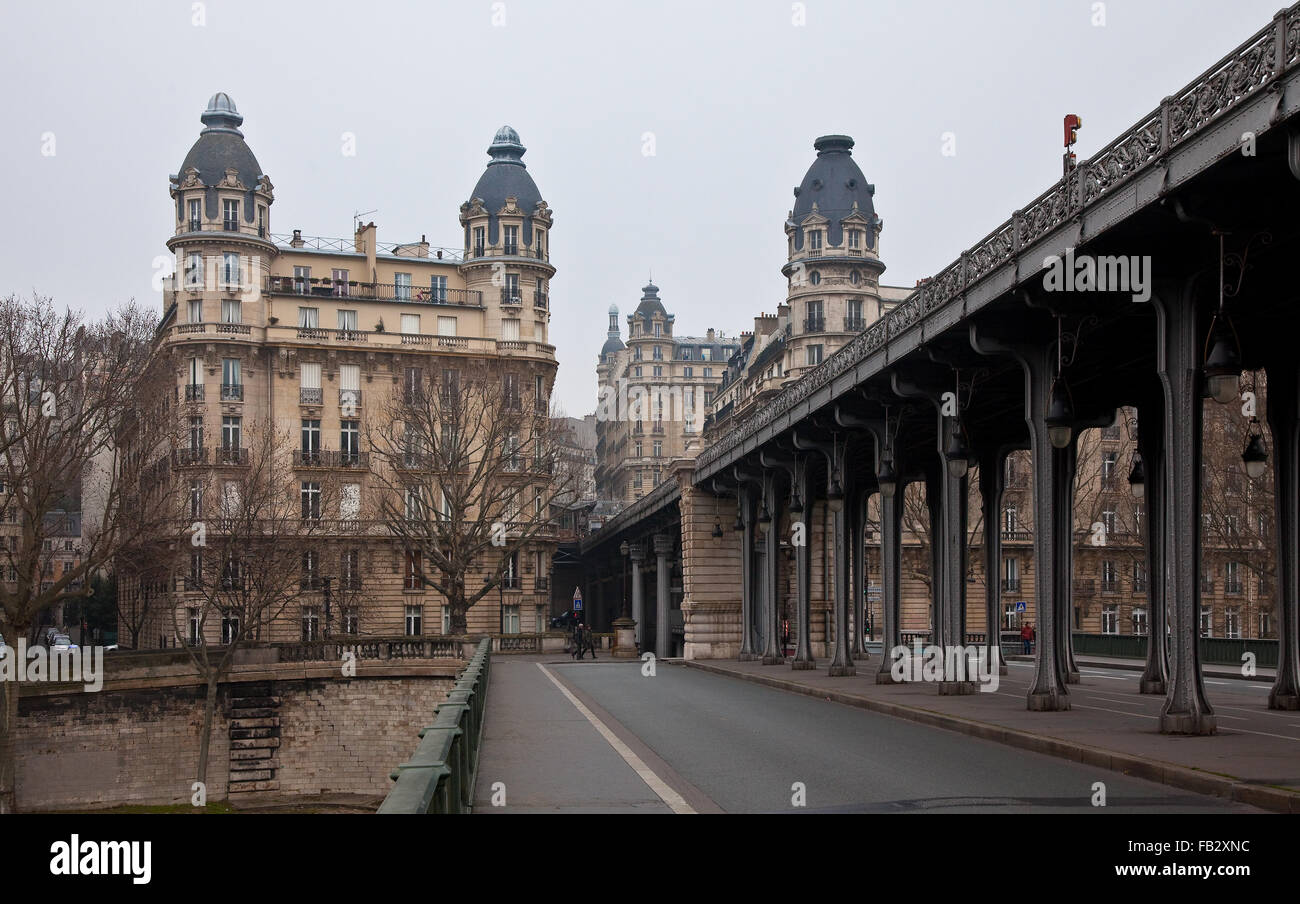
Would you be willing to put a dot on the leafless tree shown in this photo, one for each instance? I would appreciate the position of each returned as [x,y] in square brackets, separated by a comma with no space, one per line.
[251,539]
[75,413]
[470,469]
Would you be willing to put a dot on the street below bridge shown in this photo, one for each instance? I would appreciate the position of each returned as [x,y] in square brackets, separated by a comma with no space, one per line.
[564,736]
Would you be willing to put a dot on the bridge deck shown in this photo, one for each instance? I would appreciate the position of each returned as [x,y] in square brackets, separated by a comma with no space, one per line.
[599,736]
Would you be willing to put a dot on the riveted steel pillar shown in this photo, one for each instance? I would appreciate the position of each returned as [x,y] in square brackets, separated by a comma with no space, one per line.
[636,552]
[842,658]
[891,573]
[1048,690]
[772,654]
[1151,440]
[1284,421]
[748,583]
[992,484]
[858,544]
[948,534]
[1063,577]
[663,631]
[803,657]
[1186,709]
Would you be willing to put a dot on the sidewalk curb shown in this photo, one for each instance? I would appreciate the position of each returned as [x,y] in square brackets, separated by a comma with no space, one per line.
[1183,777]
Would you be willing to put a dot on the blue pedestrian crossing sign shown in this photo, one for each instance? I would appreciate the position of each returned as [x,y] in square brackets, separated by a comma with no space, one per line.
[1020,606]
[577,600]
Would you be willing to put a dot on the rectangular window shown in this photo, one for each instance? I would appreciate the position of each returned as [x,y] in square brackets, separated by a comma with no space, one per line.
[510,330]
[230,433]
[194,273]
[688,371]
[231,311]
[232,383]
[815,239]
[706,354]
[446,326]
[230,269]
[814,355]
[310,623]
[1207,621]
[1232,622]
[196,499]
[509,619]
[708,374]
[309,577]
[195,306]
[1139,622]
[308,318]
[309,387]
[512,288]
[853,238]
[196,434]
[340,280]
[511,242]
[311,441]
[479,241]
[438,290]
[659,330]
[415,621]
[412,579]
[230,215]
[194,626]
[1110,619]
[196,215]
[310,500]
[301,280]
[402,287]
[348,321]
[350,501]
[411,324]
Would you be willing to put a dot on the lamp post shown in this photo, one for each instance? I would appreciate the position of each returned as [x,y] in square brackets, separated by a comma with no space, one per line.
[625,626]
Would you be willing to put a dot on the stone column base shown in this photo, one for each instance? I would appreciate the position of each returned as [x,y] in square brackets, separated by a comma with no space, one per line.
[1047,703]
[957,688]
[1284,701]
[1187,723]
[773,660]
[885,678]
[803,665]
[624,639]
[843,671]
[1152,686]
[748,657]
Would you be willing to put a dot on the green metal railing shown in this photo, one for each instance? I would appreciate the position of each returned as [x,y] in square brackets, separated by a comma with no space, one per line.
[1213,650]
[439,777]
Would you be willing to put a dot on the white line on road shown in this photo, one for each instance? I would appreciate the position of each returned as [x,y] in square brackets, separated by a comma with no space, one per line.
[674,800]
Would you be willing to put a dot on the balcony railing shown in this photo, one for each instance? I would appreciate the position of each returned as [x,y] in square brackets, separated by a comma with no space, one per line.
[194,392]
[814,324]
[511,297]
[232,392]
[330,458]
[189,457]
[1011,585]
[1017,533]
[543,583]
[540,300]
[1232,586]
[310,396]
[327,288]
[505,250]
[854,324]
[229,455]
[350,397]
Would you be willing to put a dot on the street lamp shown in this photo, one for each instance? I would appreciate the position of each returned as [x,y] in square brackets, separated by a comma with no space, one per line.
[887,478]
[956,453]
[1060,406]
[764,519]
[1223,356]
[1137,476]
[1254,456]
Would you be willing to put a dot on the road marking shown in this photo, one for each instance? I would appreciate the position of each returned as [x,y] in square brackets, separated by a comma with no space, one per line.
[670,797]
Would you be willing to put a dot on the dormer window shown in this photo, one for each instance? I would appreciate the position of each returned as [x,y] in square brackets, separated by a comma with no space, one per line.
[854,238]
[230,215]
[511,242]
[196,215]
[659,329]
[479,237]
[815,239]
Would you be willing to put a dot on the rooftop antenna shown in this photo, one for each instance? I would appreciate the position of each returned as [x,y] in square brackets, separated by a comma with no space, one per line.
[356,217]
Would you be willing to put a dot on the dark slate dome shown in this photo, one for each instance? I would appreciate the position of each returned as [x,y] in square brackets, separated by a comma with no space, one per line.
[506,176]
[833,183]
[612,344]
[220,147]
[650,303]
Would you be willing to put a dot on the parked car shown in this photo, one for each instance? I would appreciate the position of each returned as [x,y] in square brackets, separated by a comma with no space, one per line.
[62,643]
[564,621]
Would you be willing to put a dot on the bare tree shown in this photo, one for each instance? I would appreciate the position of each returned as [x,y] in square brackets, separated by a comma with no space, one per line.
[254,538]
[470,471]
[74,406]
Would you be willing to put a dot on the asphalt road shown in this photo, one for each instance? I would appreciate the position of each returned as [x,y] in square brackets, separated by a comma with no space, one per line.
[686,740]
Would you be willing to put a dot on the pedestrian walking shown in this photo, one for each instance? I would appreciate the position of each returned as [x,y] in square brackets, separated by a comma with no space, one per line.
[1026,636]
[589,641]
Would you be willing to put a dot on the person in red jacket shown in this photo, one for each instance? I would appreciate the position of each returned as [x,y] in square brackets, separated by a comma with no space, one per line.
[1027,637]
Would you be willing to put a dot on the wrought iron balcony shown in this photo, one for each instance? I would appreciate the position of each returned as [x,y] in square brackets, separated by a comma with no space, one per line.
[1011,585]
[854,324]
[350,397]
[232,392]
[189,457]
[229,455]
[540,299]
[194,392]
[814,324]
[511,297]
[310,396]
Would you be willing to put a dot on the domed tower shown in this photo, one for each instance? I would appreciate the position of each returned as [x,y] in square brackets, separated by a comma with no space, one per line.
[222,239]
[833,265]
[507,246]
[609,351]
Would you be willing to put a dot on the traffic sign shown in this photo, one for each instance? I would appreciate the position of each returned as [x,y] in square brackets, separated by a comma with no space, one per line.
[1020,606]
[577,599]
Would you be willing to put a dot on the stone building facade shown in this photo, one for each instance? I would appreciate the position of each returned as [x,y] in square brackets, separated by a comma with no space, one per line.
[653,393]
[318,336]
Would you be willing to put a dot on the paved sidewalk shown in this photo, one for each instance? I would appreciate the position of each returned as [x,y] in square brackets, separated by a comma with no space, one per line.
[1254,757]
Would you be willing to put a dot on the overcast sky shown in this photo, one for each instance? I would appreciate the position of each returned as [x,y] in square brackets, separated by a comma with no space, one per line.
[733,93]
